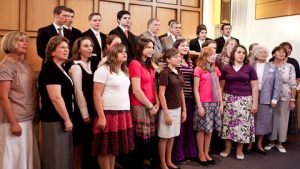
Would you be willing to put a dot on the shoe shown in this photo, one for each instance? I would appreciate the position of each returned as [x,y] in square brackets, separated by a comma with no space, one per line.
[204,163]
[281,148]
[223,154]
[247,151]
[211,161]
[240,157]
[173,167]
[261,151]
[269,146]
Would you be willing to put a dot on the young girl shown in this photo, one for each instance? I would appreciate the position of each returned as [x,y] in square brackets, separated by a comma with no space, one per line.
[173,106]
[209,105]
[113,132]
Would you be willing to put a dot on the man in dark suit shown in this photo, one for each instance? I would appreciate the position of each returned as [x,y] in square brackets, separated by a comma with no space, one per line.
[226,31]
[98,38]
[196,44]
[167,33]
[75,33]
[123,31]
[56,28]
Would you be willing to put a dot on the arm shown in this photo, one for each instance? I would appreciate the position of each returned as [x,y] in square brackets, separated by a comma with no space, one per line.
[157,104]
[293,86]
[7,108]
[220,94]
[97,95]
[139,94]
[54,92]
[76,75]
[163,103]
[254,86]
[276,88]
[183,106]
[200,110]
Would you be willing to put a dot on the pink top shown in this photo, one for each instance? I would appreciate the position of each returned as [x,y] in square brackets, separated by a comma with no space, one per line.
[147,79]
[205,86]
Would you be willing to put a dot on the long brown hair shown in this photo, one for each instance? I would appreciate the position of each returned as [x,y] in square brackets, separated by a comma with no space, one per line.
[76,47]
[204,54]
[246,59]
[112,59]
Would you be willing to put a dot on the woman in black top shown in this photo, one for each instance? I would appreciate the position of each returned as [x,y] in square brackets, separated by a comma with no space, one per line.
[56,90]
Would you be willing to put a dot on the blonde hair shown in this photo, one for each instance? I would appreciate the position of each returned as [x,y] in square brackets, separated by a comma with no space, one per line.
[10,39]
[202,59]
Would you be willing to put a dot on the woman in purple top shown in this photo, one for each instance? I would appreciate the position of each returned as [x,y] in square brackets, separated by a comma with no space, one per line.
[240,87]
[184,144]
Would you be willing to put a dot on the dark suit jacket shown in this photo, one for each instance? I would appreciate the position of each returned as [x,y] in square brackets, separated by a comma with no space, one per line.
[220,43]
[195,46]
[75,33]
[129,42]
[162,36]
[43,36]
[97,50]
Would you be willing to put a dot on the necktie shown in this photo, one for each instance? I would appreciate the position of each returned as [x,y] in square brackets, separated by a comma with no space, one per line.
[157,42]
[59,31]
[126,33]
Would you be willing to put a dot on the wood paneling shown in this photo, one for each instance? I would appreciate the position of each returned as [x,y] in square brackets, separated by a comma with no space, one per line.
[225,11]
[9,14]
[168,1]
[189,21]
[276,8]
[139,17]
[164,15]
[81,14]
[39,13]
[109,12]
[32,57]
[192,3]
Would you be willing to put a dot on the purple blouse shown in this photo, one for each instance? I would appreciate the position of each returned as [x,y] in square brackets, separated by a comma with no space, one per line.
[238,82]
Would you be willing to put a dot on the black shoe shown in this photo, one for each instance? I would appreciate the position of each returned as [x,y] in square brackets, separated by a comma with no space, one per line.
[211,161]
[204,163]
[263,152]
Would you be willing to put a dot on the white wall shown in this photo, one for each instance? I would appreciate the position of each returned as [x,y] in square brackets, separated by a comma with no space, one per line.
[268,32]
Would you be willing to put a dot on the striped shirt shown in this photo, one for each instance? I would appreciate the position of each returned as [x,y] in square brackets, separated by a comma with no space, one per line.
[187,71]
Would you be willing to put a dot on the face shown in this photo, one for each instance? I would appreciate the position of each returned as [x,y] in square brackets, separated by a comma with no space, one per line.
[122,56]
[239,55]
[226,30]
[95,22]
[261,55]
[279,54]
[202,35]
[61,52]
[211,58]
[125,20]
[86,48]
[61,18]
[288,50]
[69,19]
[176,29]
[21,46]
[183,48]
[148,51]
[114,42]
[154,27]
[174,60]
[231,45]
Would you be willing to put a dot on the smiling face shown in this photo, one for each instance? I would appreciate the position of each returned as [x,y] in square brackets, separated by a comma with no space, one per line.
[148,51]
[202,35]
[21,46]
[280,54]
[183,48]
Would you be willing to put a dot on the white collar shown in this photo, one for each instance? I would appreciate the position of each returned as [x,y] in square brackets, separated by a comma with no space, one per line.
[86,67]
[95,32]
[57,26]
[123,28]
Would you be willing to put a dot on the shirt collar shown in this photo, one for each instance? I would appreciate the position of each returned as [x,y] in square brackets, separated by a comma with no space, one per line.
[94,31]
[57,26]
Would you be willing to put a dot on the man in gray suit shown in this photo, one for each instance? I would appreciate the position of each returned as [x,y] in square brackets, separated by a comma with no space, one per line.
[153,26]
[175,30]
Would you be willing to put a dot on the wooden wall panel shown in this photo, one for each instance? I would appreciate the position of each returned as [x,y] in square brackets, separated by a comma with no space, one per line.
[39,13]
[189,21]
[164,15]
[192,3]
[32,57]
[109,12]
[168,1]
[1,53]
[10,10]
[81,14]
[139,17]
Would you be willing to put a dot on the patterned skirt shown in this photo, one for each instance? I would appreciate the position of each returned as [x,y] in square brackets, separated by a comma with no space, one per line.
[144,125]
[238,122]
[116,137]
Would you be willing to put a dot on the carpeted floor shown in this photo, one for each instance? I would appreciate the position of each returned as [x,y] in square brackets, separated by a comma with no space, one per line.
[272,160]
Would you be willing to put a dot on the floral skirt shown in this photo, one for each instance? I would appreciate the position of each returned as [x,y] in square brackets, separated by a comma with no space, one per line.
[144,125]
[238,122]
[117,137]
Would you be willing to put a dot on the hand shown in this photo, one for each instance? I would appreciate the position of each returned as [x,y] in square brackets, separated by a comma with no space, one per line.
[16,129]
[101,122]
[68,125]
[183,116]
[201,111]
[221,109]
[254,108]
[87,120]
[168,119]
[153,111]
[273,105]
[292,105]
